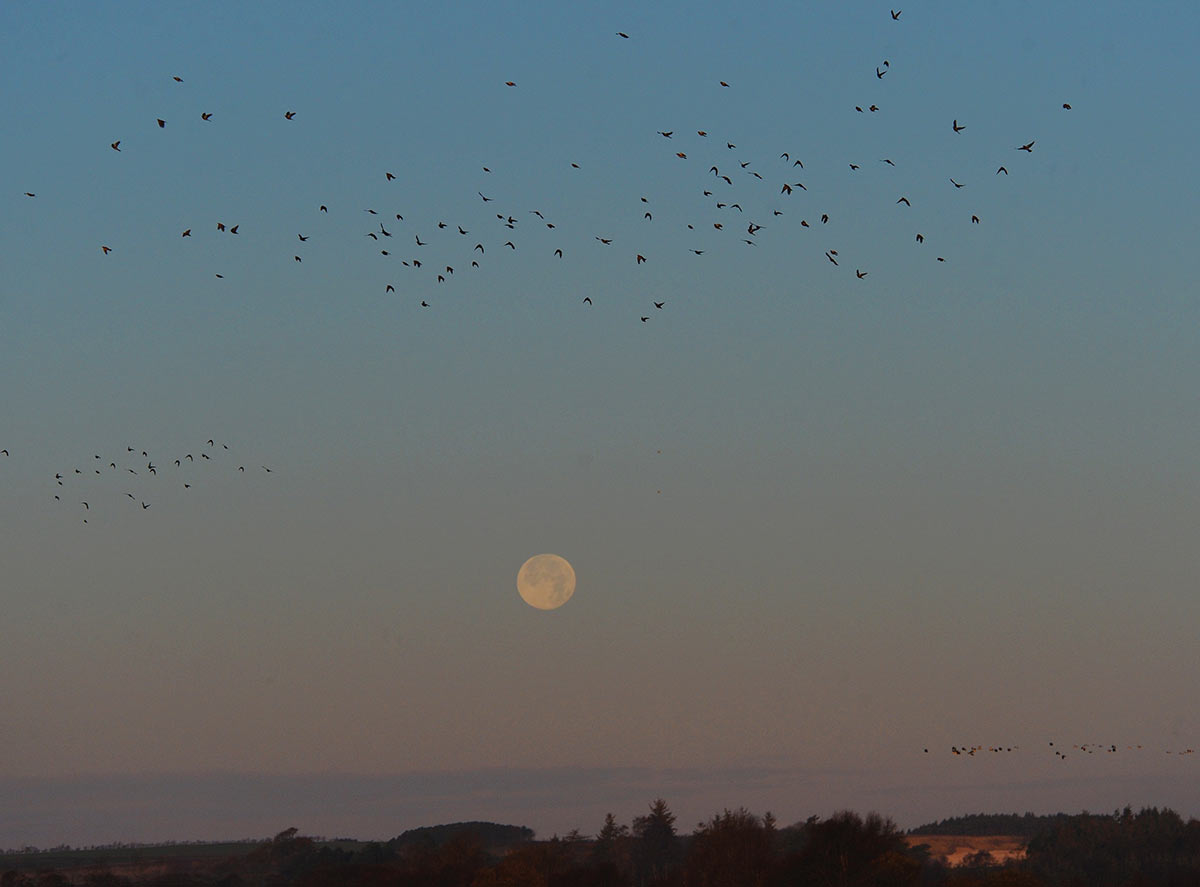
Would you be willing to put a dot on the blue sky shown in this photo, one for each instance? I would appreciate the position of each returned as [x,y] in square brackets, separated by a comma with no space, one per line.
[818,522]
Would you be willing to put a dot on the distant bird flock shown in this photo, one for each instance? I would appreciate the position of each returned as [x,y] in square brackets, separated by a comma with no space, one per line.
[1062,752]
[102,483]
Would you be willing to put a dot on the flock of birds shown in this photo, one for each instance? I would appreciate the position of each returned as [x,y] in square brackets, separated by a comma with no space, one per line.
[1060,752]
[741,199]
[130,479]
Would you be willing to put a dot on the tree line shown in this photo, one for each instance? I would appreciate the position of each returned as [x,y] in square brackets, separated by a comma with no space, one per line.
[734,848]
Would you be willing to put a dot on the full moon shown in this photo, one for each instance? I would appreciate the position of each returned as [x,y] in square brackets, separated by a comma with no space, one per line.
[546,581]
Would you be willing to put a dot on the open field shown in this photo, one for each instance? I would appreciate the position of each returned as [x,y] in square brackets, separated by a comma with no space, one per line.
[955,848]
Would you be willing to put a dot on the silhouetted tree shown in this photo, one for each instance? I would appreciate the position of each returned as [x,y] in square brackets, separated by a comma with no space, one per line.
[733,849]
[611,859]
[456,863]
[656,846]
[847,850]
[1152,846]
[534,865]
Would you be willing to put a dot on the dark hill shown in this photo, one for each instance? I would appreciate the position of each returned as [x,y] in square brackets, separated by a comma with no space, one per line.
[491,835]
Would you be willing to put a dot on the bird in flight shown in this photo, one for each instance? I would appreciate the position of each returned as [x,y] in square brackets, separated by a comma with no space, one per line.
[288,115]
[956,127]
[1002,170]
[177,79]
[622,34]
[859,274]
[116,146]
[659,304]
[389,176]
[187,233]
[205,115]
[107,249]
[162,124]
[956,184]
[1027,148]
[904,200]
[896,14]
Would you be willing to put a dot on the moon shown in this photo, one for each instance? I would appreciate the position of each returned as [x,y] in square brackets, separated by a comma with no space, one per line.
[546,581]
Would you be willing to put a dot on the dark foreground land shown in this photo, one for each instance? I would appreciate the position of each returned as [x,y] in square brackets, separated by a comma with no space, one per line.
[732,849]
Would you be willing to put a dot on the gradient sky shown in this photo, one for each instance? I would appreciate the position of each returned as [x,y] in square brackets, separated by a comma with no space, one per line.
[818,523]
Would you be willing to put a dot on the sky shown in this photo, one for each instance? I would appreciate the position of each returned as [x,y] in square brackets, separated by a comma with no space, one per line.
[819,522]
